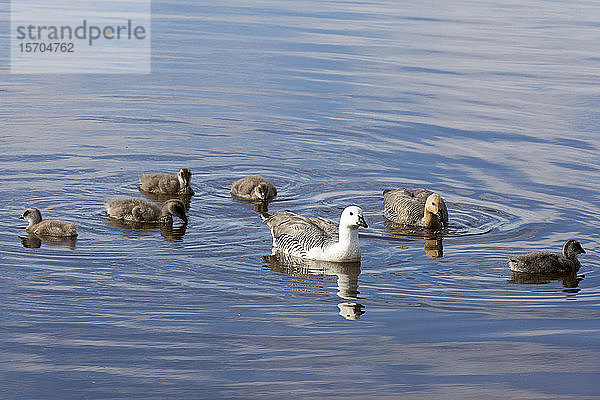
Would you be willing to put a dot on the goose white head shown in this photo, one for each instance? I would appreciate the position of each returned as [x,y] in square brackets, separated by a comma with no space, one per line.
[352,217]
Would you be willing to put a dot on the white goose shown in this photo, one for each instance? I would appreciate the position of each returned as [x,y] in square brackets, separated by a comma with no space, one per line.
[315,238]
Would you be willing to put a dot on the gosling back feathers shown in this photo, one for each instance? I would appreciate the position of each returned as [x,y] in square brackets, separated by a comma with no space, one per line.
[50,227]
[253,188]
[139,210]
[549,263]
[166,183]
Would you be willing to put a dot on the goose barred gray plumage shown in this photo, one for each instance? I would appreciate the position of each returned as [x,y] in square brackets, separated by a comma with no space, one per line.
[549,263]
[315,238]
[415,207]
[166,183]
[253,188]
[50,227]
[139,210]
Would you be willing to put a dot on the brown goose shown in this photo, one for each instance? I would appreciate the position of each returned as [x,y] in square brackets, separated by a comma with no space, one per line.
[415,207]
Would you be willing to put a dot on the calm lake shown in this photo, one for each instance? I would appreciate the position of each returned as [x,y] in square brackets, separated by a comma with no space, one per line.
[494,105]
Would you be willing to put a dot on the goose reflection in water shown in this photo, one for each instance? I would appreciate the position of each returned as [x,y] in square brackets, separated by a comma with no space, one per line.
[570,281]
[32,241]
[433,246]
[347,278]
[137,229]
[351,311]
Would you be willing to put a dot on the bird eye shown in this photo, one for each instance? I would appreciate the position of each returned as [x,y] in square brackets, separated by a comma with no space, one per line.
[351,213]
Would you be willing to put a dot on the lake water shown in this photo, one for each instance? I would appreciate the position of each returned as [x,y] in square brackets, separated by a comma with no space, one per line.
[495,105]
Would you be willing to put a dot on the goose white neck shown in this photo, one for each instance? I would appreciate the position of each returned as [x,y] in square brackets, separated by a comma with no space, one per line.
[347,247]
[348,234]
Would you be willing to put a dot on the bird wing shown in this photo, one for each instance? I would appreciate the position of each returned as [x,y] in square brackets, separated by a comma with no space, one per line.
[405,205]
[535,262]
[51,227]
[132,209]
[159,183]
[297,235]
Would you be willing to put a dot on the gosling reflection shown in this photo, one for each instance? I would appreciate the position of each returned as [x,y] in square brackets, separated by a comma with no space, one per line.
[433,240]
[347,278]
[32,241]
[569,281]
[256,206]
[138,230]
[161,198]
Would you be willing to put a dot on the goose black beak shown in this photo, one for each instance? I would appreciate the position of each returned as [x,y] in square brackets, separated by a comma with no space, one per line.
[361,222]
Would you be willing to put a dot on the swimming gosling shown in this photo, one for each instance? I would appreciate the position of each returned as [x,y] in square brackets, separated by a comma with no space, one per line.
[415,207]
[133,209]
[166,183]
[549,263]
[49,227]
[253,188]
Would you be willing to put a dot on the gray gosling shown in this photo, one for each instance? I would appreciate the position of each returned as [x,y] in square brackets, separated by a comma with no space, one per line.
[549,263]
[253,188]
[415,207]
[139,210]
[166,183]
[315,238]
[49,227]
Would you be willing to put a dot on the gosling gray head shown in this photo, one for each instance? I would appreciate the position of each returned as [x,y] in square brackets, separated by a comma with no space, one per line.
[31,215]
[173,207]
[184,176]
[261,191]
[571,248]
